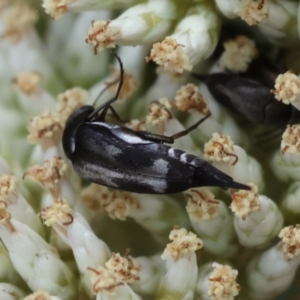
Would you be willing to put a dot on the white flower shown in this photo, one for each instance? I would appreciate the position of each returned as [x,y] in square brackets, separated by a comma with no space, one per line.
[181,265]
[287,89]
[41,295]
[290,201]
[257,218]
[286,163]
[75,231]
[56,9]
[75,61]
[140,24]
[252,12]
[217,284]
[194,39]
[34,259]
[17,205]
[151,270]
[233,160]
[281,24]
[10,292]
[212,221]
[238,55]
[271,272]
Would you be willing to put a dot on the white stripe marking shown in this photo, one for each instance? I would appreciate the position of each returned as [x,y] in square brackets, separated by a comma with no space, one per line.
[183,157]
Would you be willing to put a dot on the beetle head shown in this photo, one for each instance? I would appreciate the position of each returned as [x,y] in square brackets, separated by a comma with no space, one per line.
[76,119]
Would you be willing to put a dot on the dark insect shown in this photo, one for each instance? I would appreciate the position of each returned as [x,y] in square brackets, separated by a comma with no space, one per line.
[250,95]
[135,161]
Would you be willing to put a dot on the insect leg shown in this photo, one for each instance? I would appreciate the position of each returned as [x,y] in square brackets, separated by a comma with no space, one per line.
[104,90]
[115,98]
[114,113]
[157,138]
[185,132]
[169,139]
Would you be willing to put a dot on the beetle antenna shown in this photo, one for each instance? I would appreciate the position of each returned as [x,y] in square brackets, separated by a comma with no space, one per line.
[115,98]
[108,85]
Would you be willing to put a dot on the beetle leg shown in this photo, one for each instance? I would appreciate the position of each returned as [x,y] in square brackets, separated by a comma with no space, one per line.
[108,85]
[113,99]
[157,138]
[169,139]
[185,132]
[114,113]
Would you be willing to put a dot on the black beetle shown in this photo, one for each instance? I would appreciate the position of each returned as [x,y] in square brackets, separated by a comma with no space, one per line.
[250,94]
[135,161]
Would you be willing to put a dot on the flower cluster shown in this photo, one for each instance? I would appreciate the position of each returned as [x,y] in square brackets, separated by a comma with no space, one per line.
[62,238]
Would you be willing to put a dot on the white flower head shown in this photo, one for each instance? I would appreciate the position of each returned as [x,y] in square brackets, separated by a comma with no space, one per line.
[127,267]
[17,20]
[101,35]
[49,175]
[143,23]
[291,140]
[188,98]
[58,212]
[257,219]
[252,12]
[194,39]
[222,283]
[96,196]
[105,281]
[290,241]
[69,101]
[28,82]
[239,53]
[7,187]
[58,8]
[159,112]
[220,148]
[41,295]
[170,55]
[120,204]
[287,89]
[183,243]
[202,205]
[45,129]
[245,202]
[109,283]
